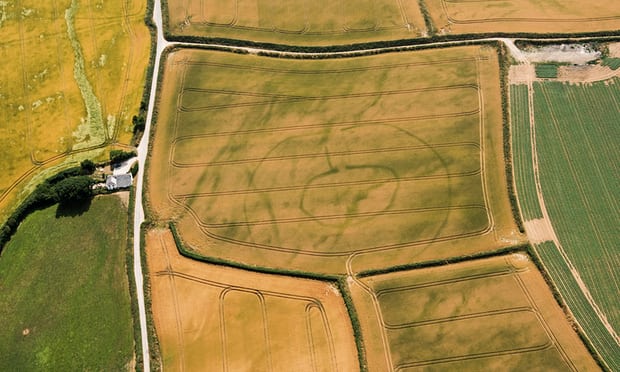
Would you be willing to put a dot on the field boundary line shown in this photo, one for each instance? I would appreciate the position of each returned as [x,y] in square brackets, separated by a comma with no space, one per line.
[376,307]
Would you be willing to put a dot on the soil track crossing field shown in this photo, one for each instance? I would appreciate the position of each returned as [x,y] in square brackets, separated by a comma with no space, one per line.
[297,165]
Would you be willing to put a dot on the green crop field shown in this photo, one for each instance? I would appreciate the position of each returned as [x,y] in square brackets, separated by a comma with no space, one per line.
[546,70]
[299,22]
[308,164]
[583,312]
[576,135]
[65,296]
[522,153]
[71,78]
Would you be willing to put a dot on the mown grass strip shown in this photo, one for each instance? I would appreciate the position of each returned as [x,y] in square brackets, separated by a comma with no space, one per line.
[522,153]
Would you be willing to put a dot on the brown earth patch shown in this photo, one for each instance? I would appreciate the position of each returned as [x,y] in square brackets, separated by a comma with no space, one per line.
[539,230]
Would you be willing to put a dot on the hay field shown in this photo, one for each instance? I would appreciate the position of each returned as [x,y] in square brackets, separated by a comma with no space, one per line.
[482,315]
[308,165]
[535,16]
[71,78]
[298,22]
[212,318]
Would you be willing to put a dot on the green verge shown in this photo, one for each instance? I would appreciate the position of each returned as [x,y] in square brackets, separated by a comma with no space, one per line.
[612,63]
[66,304]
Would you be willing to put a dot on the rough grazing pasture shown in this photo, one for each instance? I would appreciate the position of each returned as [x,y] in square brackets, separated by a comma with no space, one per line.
[65,297]
[71,78]
[576,132]
[311,165]
[215,318]
[567,16]
[299,22]
[481,315]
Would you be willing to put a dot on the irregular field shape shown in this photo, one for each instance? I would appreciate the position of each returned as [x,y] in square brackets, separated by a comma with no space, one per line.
[575,131]
[275,162]
[474,315]
[220,318]
[41,105]
[463,16]
[299,22]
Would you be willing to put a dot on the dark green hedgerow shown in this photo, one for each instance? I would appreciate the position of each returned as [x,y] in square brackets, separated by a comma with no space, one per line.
[445,261]
[218,261]
[603,36]
[355,323]
[504,66]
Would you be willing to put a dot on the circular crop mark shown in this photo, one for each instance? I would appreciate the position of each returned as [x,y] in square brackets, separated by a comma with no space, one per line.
[352,194]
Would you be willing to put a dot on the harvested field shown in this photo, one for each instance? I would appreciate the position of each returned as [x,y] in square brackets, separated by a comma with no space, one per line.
[71,78]
[306,165]
[300,22]
[212,317]
[489,314]
[486,16]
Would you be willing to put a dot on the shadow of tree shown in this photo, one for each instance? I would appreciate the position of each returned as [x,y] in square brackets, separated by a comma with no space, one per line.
[73,208]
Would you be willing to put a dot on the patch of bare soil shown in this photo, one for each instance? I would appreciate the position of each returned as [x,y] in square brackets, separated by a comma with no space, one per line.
[585,73]
[565,53]
[521,74]
[539,230]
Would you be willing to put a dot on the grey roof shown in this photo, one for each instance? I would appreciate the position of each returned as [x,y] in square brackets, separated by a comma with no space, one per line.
[119,181]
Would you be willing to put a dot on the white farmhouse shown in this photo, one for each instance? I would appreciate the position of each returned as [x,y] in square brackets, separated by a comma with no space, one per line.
[119,181]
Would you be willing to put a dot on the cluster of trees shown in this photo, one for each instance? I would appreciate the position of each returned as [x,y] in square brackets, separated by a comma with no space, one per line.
[72,186]
[119,156]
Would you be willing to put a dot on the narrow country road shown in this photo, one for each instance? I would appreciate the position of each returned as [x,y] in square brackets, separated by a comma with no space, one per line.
[139,209]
